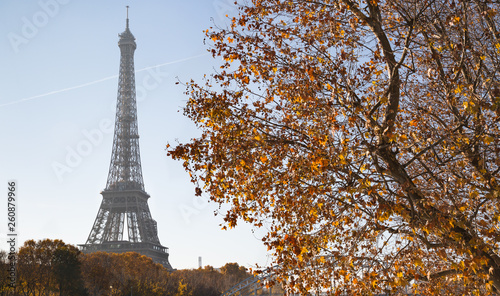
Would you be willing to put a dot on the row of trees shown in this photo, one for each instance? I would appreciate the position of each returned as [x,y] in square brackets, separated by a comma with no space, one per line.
[51,267]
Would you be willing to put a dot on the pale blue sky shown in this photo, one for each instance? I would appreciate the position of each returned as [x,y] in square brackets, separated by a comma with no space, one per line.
[59,61]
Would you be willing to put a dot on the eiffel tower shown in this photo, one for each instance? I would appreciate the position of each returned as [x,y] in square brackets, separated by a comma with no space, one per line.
[124,198]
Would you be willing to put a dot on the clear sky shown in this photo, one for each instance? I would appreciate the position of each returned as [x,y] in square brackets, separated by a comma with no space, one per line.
[58,85]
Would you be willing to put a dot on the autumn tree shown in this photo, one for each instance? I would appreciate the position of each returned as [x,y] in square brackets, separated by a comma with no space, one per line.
[364,135]
[234,273]
[205,281]
[96,272]
[210,281]
[66,267]
[49,267]
[5,277]
[126,274]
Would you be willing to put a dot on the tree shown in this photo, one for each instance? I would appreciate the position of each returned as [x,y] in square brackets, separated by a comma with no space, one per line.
[364,135]
[233,274]
[126,274]
[97,269]
[34,274]
[235,271]
[5,274]
[209,281]
[66,267]
[49,267]
[200,282]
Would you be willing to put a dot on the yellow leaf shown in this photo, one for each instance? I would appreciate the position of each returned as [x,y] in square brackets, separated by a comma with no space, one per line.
[488,140]
[418,262]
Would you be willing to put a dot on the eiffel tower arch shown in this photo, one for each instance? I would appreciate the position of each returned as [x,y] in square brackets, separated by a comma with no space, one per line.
[124,201]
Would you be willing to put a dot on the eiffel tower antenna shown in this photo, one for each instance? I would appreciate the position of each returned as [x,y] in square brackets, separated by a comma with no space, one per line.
[127,15]
[124,196]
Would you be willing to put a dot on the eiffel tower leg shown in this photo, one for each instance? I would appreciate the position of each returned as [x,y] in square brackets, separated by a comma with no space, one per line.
[97,231]
[133,230]
[114,227]
[147,225]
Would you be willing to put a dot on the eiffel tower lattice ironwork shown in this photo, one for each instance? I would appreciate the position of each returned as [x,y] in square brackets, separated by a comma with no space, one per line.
[124,198]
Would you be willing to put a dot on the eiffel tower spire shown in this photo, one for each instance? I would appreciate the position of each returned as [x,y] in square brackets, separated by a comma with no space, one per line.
[124,196]
[125,169]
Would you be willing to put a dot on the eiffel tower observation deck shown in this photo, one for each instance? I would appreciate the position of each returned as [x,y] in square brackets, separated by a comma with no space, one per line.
[125,203]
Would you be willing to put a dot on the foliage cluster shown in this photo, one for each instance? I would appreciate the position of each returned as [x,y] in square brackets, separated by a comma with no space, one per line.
[51,267]
[364,134]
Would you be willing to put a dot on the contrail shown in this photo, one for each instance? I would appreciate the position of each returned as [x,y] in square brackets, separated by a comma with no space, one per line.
[97,81]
